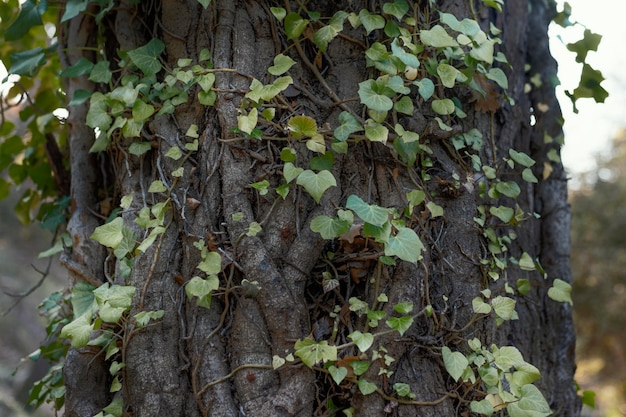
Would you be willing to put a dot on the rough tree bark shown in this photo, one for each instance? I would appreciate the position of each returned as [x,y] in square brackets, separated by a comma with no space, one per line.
[172,366]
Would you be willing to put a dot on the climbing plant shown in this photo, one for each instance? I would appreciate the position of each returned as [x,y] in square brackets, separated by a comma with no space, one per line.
[422,63]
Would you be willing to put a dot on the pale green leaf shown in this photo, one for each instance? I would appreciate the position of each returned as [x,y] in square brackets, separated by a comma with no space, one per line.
[282,64]
[437,37]
[508,188]
[174,152]
[316,184]
[480,307]
[294,25]
[404,105]
[348,125]
[425,87]
[397,9]
[290,171]
[531,403]
[328,227]
[484,52]
[376,132]
[143,318]
[139,148]
[369,213]
[504,307]
[482,407]
[363,340]
[302,126]
[561,291]
[78,331]
[447,73]
[503,213]
[311,352]
[371,21]
[454,362]
[443,106]
[400,324]
[526,263]
[365,386]
[406,245]
[109,234]
[148,241]
[157,186]
[338,374]
[247,123]
[435,209]
[497,75]
[211,264]
[373,99]
[407,58]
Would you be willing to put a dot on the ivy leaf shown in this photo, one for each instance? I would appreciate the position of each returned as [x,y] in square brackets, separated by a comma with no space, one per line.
[369,213]
[561,291]
[247,123]
[348,125]
[443,106]
[484,52]
[404,105]
[437,37]
[278,12]
[202,288]
[435,209]
[397,9]
[425,87]
[371,21]
[157,186]
[73,8]
[447,73]
[406,245]
[338,374]
[27,62]
[81,67]
[508,188]
[365,386]
[282,64]
[139,148]
[142,111]
[143,318]
[294,25]
[454,362]
[526,263]
[302,126]
[480,307]
[407,59]
[531,403]
[311,352]
[372,99]
[376,132]
[328,227]
[316,184]
[211,263]
[503,213]
[521,158]
[482,407]
[109,234]
[497,75]
[403,308]
[363,340]
[146,57]
[504,307]
[290,171]
[78,331]
[401,324]
[29,17]
[83,300]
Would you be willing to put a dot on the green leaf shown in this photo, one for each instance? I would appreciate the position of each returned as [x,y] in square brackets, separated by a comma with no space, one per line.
[205,3]
[282,64]
[401,324]
[29,17]
[144,317]
[109,234]
[365,386]
[437,37]
[27,62]
[174,153]
[508,188]
[348,125]
[407,58]
[78,331]
[278,12]
[290,171]
[484,52]
[148,241]
[211,263]
[406,245]
[589,42]
[561,291]
[454,362]
[503,213]
[80,96]
[531,403]
[206,81]
[443,106]
[526,263]
[497,75]
[447,73]
[83,300]
[261,186]
[404,105]
[288,155]
[359,367]
[403,308]
[146,57]
[504,307]
[397,9]
[81,67]
[246,123]
[371,21]
[425,87]
[311,352]
[338,374]
[323,162]
[294,25]
[324,36]
[376,132]
[369,213]
[435,209]
[328,227]
[480,307]
[521,158]
[157,186]
[363,340]
[482,407]
[202,288]
[372,99]
[73,8]
[316,184]
[142,111]
[523,286]
[528,176]
[302,126]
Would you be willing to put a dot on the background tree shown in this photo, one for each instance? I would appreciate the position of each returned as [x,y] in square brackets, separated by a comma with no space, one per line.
[300,208]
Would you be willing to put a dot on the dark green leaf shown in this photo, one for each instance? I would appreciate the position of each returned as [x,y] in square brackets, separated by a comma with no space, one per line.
[146,57]
[30,16]
[27,62]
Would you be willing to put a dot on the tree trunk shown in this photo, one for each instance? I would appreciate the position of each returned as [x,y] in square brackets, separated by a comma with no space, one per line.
[217,361]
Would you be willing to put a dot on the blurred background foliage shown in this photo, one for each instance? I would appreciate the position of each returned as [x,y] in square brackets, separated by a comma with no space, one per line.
[599,270]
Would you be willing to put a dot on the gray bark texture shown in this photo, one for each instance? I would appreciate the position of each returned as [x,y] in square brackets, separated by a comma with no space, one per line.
[182,365]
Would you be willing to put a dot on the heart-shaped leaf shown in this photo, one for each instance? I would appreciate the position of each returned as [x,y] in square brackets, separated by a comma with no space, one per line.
[316,184]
